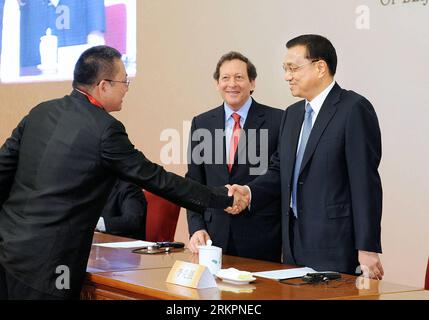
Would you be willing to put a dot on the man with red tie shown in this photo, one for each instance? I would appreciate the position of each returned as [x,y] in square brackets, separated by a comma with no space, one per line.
[248,137]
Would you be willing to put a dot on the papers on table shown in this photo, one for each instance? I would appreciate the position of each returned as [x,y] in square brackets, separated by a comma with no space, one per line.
[127,244]
[284,274]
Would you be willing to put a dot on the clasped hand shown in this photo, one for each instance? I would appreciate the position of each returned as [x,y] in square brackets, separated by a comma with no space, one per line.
[241,198]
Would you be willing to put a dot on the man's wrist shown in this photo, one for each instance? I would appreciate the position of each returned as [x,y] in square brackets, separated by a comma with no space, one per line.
[250,195]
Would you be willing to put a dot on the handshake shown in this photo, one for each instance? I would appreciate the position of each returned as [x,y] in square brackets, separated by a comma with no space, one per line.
[241,202]
[241,198]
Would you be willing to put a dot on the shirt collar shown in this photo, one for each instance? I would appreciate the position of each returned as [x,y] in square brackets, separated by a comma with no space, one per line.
[242,112]
[90,98]
[317,102]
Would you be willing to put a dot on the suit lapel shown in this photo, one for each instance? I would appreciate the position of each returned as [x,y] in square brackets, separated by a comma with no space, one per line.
[218,122]
[297,117]
[325,115]
[255,119]
[291,134]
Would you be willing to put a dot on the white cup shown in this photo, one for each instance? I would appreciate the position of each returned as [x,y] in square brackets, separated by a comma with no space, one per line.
[211,257]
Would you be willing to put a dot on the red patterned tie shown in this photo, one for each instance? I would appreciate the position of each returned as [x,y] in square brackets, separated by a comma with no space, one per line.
[234,140]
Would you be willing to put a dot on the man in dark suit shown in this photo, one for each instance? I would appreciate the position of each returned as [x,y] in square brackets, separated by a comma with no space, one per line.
[125,212]
[325,169]
[255,235]
[56,172]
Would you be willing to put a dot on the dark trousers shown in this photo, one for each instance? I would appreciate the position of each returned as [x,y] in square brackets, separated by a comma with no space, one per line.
[231,250]
[295,243]
[13,289]
[297,250]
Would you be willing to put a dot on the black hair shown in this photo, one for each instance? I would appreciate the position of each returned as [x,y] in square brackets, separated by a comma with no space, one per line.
[318,47]
[95,64]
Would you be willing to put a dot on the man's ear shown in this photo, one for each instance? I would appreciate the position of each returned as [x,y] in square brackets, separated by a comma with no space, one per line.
[322,68]
[102,86]
[97,90]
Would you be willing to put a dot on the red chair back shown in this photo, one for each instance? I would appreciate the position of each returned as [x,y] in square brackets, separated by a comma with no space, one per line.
[161,218]
[427,277]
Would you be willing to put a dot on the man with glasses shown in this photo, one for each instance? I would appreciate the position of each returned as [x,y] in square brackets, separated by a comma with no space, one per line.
[325,169]
[56,172]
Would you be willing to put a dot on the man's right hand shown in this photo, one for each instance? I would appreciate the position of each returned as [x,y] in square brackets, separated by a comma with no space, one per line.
[241,198]
[199,238]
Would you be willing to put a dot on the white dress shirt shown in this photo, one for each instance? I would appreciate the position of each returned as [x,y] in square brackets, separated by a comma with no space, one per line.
[229,121]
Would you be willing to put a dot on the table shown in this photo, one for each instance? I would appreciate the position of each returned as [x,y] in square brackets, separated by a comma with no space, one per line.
[410,295]
[119,274]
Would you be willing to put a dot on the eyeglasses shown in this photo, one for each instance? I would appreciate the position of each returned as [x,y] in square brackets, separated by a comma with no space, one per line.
[126,82]
[293,69]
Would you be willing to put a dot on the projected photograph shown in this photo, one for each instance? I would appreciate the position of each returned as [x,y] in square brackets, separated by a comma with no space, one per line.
[41,40]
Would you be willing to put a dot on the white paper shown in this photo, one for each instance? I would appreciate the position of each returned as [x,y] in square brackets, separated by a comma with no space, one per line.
[127,244]
[284,274]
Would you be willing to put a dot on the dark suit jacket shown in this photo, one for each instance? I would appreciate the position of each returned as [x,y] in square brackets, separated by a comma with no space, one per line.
[255,235]
[339,193]
[125,211]
[56,172]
